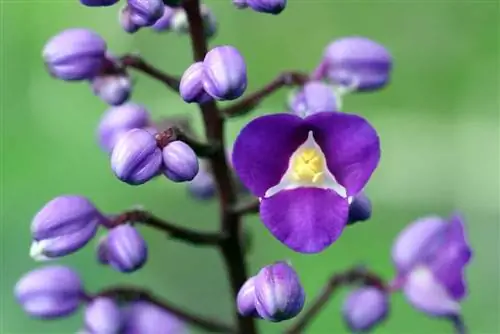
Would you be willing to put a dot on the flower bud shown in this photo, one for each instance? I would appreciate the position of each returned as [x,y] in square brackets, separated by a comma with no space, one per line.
[103,316]
[145,12]
[360,209]
[136,158]
[180,162]
[245,301]
[63,226]
[225,74]
[143,317]
[240,4]
[118,121]
[278,292]
[74,54]
[49,292]
[165,21]
[98,3]
[180,22]
[101,251]
[203,186]
[267,6]
[126,250]
[125,20]
[364,308]
[191,85]
[358,62]
[112,89]
[314,97]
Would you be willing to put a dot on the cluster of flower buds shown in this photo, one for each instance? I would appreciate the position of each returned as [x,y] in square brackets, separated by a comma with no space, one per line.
[222,75]
[54,292]
[274,294]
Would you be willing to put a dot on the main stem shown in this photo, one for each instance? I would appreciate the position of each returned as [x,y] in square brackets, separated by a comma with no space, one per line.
[231,247]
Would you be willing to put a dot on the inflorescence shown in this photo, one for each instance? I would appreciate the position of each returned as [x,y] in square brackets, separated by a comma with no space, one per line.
[303,171]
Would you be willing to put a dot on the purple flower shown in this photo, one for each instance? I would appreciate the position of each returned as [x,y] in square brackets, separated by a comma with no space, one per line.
[136,158]
[63,226]
[360,209]
[430,256]
[267,6]
[245,301]
[103,316]
[74,54]
[49,292]
[180,162]
[145,13]
[225,73]
[118,121]
[358,62]
[125,19]
[98,3]
[203,185]
[278,293]
[304,170]
[314,97]
[191,85]
[364,308]
[180,24]
[165,21]
[142,317]
[125,249]
[112,89]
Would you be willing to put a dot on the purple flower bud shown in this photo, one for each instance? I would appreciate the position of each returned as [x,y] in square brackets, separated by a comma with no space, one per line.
[136,158]
[431,255]
[240,4]
[180,22]
[112,89]
[142,317]
[118,121]
[98,3]
[225,74]
[314,97]
[49,292]
[203,186]
[364,308]
[191,85]
[267,6]
[278,293]
[103,316]
[125,19]
[359,62]
[360,209]
[63,226]
[165,21]
[245,301]
[126,249]
[145,12]
[74,54]
[180,162]
[102,251]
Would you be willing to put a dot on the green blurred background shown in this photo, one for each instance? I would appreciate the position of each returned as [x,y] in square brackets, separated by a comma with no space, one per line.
[438,123]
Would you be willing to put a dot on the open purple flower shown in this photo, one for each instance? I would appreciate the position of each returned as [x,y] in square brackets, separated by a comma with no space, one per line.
[305,170]
[430,256]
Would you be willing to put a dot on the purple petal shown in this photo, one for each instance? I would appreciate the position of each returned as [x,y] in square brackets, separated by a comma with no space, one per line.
[262,151]
[351,147]
[103,316]
[424,292]
[408,249]
[145,318]
[307,220]
[449,261]
[245,301]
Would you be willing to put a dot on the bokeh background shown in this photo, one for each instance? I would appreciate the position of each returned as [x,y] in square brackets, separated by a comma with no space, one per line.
[438,123]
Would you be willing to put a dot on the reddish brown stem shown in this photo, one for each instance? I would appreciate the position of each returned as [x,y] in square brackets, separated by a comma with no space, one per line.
[131,293]
[349,277]
[139,64]
[252,100]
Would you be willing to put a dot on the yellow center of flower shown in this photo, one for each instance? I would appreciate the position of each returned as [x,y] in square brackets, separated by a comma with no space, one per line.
[308,166]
